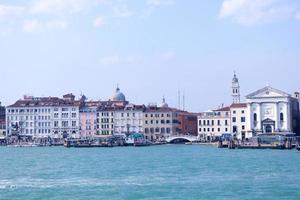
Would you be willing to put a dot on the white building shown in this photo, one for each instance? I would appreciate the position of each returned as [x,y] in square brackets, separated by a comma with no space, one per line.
[129,120]
[271,110]
[40,117]
[212,124]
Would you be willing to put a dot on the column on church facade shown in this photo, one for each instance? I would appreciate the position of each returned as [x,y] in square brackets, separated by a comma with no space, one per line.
[259,118]
[276,118]
[287,118]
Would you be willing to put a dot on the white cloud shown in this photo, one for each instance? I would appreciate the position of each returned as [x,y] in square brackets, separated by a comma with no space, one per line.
[7,10]
[58,6]
[160,2]
[110,60]
[32,25]
[56,24]
[119,60]
[35,25]
[122,11]
[98,22]
[251,12]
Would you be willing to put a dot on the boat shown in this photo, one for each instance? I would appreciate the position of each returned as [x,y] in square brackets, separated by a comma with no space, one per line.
[298,147]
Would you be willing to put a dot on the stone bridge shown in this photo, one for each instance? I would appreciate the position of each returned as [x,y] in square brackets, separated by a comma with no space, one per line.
[186,138]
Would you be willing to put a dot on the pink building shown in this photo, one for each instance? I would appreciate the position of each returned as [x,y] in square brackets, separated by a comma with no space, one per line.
[88,118]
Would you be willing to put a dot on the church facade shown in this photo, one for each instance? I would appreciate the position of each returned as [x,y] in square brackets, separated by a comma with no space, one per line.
[271,110]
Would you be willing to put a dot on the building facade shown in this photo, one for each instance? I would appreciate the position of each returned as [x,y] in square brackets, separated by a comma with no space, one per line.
[40,117]
[2,122]
[129,120]
[212,124]
[271,110]
[160,122]
[238,114]
[188,123]
[88,118]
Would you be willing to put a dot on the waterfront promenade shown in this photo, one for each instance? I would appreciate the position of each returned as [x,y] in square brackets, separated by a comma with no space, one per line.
[155,172]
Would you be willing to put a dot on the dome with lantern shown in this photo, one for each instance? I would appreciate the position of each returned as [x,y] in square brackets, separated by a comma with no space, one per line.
[118,95]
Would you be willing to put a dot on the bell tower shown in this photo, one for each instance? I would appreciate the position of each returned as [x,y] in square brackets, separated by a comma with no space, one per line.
[236,95]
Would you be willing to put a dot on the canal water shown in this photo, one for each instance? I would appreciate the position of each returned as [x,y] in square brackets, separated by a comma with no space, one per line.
[156,172]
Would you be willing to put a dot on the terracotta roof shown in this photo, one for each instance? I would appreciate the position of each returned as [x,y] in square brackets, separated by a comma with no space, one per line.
[44,102]
[160,109]
[227,108]
[238,105]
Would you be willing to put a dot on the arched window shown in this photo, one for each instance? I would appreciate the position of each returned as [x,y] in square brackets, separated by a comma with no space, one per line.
[281,117]
[255,117]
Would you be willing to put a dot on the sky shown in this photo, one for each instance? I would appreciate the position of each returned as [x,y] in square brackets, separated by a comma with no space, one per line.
[150,48]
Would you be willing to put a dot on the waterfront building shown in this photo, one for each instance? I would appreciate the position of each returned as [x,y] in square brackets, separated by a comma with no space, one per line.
[129,120]
[212,124]
[106,113]
[2,123]
[160,122]
[41,117]
[105,119]
[187,123]
[238,114]
[88,117]
[272,111]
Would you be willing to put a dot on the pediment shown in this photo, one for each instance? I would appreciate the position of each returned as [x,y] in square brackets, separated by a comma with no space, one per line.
[267,92]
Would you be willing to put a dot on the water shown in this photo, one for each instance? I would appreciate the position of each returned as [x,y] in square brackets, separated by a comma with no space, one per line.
[158,172]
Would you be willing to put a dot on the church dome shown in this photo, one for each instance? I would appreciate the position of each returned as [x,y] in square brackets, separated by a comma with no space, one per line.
[164,104]
[118,96]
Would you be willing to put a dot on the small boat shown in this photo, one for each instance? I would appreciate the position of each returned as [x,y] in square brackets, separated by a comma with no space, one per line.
[298,147]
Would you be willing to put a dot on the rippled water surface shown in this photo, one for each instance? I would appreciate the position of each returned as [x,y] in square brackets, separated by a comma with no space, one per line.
[158,172]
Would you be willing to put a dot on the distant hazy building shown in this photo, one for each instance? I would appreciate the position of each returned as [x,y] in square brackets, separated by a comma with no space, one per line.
[129,120]
[106,113]
[239,117]
[187,123]
[160,121]
[88,117]
[212,124]
[271,110]
[39,117]
[2,122]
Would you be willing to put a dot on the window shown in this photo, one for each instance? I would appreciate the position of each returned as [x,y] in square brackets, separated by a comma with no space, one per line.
[243,119]
[212,122]
[219,123]
[243,127]
[255,117]
[65,123]
[234,119]
[243,112]
[234,112]
[226,122]
[281,117]
[73,123]
[168,130]
[74,115]
[55,123]
[64,109]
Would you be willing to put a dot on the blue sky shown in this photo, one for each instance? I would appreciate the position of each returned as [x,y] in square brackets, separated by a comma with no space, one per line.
[151,48]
